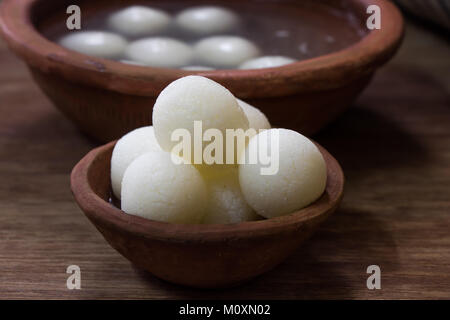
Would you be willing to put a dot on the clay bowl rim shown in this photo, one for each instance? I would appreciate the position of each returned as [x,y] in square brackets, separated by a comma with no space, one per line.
[323,72]
[93,206]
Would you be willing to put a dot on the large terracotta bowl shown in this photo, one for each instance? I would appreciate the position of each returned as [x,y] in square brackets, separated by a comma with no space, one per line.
[106,99]
[206,256]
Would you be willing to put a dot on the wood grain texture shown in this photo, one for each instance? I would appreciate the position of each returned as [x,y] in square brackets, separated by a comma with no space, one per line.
[394,147]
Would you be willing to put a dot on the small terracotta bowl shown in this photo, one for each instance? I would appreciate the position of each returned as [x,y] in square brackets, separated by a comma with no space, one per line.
[107,99]
[204,256]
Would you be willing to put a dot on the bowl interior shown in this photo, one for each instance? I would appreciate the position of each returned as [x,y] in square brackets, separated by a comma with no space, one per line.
[299,29]
[23,24]
[90,181]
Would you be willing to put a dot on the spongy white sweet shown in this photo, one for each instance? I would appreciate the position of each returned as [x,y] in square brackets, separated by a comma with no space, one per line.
[226,204]
[256,119]
[132,145]
[225,51]
[266,62]
[138,20]
[95,43]
[160,52]
[206,20]
[300,180]
[195,98]
[134,63]
[197,68]
[156,188]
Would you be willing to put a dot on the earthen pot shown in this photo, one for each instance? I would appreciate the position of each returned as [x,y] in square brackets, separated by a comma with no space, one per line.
[107,99]
[205,256]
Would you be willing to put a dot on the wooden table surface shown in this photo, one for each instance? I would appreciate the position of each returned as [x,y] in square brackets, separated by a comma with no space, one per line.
[394,146]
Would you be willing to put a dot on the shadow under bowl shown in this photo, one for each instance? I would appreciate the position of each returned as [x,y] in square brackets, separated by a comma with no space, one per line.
[107,99]
[203,256]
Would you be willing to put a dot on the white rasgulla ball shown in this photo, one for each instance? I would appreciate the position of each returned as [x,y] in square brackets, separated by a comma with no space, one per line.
[195,98]
[197,68]
[132,145]
[226,204]
[156,188]
[266,62]
[225,51]
[95,43]
[256,119]
[160,52]
[135,63]
[300,180]
[138,20]
[206,20]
